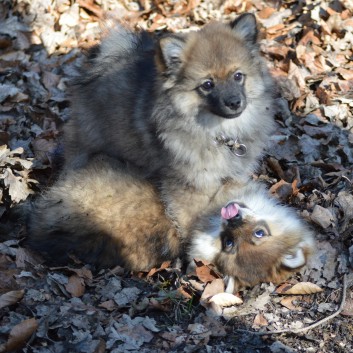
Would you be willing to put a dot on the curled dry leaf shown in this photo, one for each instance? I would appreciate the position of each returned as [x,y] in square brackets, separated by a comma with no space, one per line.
[283,287]
[205,272]
[76,286]
[19,335]
[259,321]
[18,188]
[154,270]
[288,303]
[108,305]
[322,216]
[212,289]
[225,299]
[303,288]
[221,302]
[11,297]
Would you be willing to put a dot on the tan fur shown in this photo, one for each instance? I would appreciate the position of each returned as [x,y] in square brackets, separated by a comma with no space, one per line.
[143,102]
[252,260]
[107,215]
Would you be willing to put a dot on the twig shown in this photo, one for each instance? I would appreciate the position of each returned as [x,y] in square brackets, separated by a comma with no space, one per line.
[303,329]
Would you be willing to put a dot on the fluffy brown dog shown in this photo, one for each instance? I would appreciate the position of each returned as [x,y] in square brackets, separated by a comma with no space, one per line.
[107,215]
[183,120]
[188,110]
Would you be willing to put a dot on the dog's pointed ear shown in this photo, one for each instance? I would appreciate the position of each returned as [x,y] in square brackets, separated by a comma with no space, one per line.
[245,26]
[294,260]
[171,50]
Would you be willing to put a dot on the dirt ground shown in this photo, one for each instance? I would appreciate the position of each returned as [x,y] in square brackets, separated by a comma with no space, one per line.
[308,165]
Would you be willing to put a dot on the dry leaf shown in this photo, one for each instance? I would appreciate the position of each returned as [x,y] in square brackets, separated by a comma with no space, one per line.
[154,270]
[108,305]
[11,297]
[205,272]
[76,286]
[303,288]
[18,188]
[25,256]
[322,216]
[223,304]
[259,321]
[225,299]
[183,290]
[213,288]
[266,12]
[19,335]
[83,272]
[288,303]
[283,287]
[282,190]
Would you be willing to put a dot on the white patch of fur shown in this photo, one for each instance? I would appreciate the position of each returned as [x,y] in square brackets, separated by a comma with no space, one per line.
[205,245]
[230,284]
[294,260]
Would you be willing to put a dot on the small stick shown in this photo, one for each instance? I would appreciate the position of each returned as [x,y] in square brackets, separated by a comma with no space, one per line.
[303,329]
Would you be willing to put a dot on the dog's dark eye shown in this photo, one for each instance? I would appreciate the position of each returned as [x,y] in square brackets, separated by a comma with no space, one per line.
[238,76]
[208,85]
[229,243]
[259,233]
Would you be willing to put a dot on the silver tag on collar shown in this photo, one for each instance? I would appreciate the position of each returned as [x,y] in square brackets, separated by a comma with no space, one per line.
[238,149]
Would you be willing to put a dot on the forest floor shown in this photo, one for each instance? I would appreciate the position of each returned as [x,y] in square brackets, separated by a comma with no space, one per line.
[308,165]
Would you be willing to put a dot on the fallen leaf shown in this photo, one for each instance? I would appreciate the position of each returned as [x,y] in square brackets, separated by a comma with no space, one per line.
[75,286]
[18,188]
[259,321]
[83,272]
[288,303]
[211,289]
[303,288]
[322,216]
[282,190]
[11,297]
[126,296]
[225,299]
[283,287]
[19,335]
[25,257]
[154,270]
[266,12]
[183,290]
[205,272]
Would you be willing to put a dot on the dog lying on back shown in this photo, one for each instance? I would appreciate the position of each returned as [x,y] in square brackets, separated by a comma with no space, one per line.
[189,111]
[107,215]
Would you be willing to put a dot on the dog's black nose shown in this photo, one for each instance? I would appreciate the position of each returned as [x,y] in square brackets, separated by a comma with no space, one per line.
[233,103]
[235,221]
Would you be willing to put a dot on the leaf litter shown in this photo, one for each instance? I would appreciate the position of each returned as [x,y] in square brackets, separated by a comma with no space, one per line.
[308,165]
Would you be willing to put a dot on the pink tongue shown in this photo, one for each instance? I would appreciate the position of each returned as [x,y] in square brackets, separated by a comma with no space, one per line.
[230,211]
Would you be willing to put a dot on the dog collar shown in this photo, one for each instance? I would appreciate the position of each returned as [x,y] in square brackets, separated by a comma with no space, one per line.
[239,149]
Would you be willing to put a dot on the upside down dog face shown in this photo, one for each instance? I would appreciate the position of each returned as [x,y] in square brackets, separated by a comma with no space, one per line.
[253,240]
[261,247]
